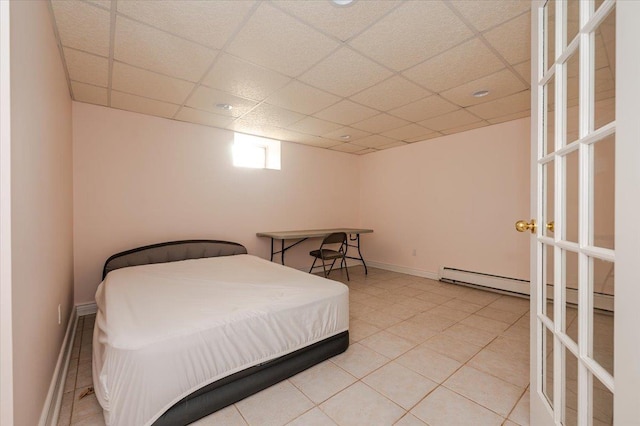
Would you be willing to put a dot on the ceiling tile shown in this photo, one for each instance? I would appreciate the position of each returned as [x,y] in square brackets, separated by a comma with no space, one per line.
[345,72]
[489,13]
[410,131]
[87,93]
[202,117]
[434,28]
[346,112]
[373,141]
[466,62]
[340,22]
[450,120]
[512,39]
[149,85]
[142,105]
[510,104]
[316,141]
[424,138]
[270,115]
[366,151]
[391,93]
[257,129]
[524,69]
[346,147]
[302,98]
[510,117]
[380,123]
[499,85]
[466,127]
[210,23]
[207,99]
[146,47]
[277,41]
[314,126]
[102,3]
[391,145]
[354,134]
[82,26]
[87,68]
[424,108]
[240,78]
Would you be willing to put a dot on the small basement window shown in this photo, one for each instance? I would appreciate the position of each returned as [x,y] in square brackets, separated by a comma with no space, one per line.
[255,152]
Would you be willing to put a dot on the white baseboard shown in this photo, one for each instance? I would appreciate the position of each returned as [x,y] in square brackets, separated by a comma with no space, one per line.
[404,270]
[51,409]
[86,309]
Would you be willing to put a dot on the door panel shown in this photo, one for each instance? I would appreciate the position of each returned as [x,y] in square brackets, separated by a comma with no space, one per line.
[574,176]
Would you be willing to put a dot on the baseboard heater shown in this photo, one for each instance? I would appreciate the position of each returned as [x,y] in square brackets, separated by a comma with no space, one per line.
[513,286]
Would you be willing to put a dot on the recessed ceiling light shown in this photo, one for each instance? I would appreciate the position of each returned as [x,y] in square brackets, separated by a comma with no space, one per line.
[342,2]
[225,107]
[345,137]
[480,93]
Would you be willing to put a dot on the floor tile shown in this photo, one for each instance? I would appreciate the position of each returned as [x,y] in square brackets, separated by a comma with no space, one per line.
[520,413]
[96,419]
[446,408]
[485,323]
[359,360]
[361,405]
[479,297]
[410,420]
[380,319]
[470,334]
[401,385]
[64,418]
[431,297]
[374,302]
[518,333]
[511,304]
[463,305]
[313,417]
[430,364]
[84,376]
[459,350]
[322,381]
[387,344]
[510,347]
[484,389]
[85,407]
[433,322]
[229,416]
[499,315]
[508,368]
[446,312]
[276,405]
[411,331]
[359,329]
[401,311]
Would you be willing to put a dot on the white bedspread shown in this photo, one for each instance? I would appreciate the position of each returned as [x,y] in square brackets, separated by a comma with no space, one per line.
[165,330]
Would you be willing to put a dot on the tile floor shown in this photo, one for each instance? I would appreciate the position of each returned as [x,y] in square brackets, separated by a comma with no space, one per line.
[422,352]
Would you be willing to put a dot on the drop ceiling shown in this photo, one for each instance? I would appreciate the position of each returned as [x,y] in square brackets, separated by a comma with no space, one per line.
[369,76]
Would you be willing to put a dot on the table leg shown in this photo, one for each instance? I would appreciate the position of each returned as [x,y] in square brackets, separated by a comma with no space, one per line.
[360,254]
[271,259]
[282,253]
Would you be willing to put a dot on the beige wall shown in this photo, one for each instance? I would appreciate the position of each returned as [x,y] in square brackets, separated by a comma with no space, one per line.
[141,180]
[453,199]
[41,173]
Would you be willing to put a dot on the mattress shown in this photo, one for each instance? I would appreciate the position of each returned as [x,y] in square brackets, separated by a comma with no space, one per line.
[165,330]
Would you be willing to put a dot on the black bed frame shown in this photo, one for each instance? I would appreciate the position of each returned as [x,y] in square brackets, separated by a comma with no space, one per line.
[242,384]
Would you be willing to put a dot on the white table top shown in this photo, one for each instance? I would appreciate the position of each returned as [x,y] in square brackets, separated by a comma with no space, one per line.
[310,233]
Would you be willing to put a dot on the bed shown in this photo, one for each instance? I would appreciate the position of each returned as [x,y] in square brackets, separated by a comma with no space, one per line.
[186,328]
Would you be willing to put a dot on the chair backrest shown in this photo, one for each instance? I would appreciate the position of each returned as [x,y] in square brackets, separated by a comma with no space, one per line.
[336,237]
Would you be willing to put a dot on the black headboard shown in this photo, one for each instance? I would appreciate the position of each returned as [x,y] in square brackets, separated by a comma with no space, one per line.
[172,251]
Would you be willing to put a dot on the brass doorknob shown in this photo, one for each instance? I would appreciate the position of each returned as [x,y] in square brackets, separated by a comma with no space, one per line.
[551,226]
[523,225]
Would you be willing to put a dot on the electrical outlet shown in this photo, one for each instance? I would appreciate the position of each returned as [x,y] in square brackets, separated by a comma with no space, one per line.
[59,315]
[413,253]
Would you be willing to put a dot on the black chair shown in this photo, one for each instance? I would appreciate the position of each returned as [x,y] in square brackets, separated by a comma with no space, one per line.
[325,254]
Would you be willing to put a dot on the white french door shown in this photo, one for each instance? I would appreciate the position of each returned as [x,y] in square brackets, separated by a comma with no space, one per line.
[581,203]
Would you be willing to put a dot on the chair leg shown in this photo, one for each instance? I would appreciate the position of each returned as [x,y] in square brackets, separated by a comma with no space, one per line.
[331,268]
[345,267]
[324,268]
[314,264]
